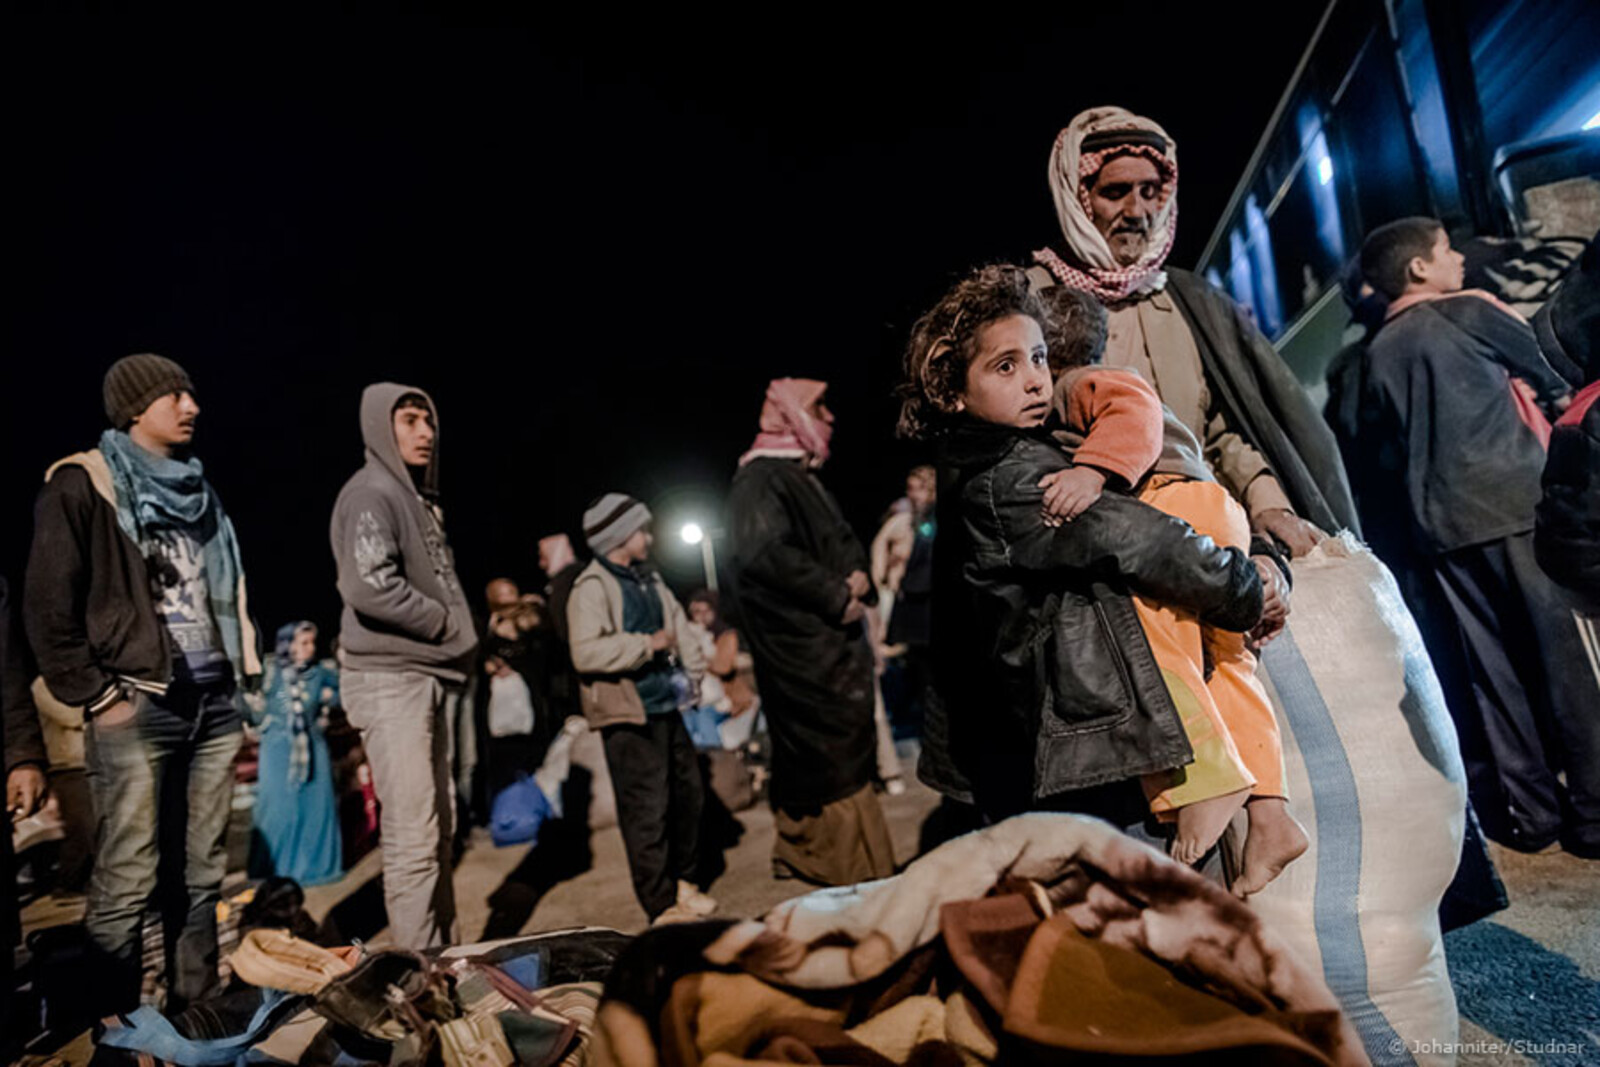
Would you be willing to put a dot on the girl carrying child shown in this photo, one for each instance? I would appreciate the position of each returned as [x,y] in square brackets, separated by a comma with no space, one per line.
[1051,695]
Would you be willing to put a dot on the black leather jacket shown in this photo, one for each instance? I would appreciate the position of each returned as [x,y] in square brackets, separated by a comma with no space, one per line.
[1045,678]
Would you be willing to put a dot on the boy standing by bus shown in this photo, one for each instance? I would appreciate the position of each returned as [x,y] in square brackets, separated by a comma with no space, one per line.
[1460,394]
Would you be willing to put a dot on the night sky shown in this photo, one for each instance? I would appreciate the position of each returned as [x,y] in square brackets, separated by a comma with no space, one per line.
[593,242]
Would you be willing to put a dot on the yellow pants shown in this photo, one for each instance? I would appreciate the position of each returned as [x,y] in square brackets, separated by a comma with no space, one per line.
[1228,717]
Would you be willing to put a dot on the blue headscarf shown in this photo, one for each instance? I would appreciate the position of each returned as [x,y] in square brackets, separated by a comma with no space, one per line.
[300,704]
[285,640]
[155,492]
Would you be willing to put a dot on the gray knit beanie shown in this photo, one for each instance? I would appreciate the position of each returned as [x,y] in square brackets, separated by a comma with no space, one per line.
[133,382]
[611,520]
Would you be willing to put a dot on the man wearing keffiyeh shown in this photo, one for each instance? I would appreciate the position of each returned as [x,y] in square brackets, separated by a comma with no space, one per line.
[799,575]
[1114,176]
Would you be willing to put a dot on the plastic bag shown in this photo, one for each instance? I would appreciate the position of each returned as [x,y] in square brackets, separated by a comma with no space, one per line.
[519,810]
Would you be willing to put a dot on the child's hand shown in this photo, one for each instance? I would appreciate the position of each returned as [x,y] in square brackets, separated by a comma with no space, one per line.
[1068,493]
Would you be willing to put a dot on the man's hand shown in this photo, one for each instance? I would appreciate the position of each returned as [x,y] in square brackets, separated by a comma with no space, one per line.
[1274,602]
[1299,535]
[661,640]
[854,611]
[25,791]
[859,584]
[1068,493]
[494,666]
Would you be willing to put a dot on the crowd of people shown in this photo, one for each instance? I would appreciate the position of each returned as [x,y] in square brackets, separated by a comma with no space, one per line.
[1066,607]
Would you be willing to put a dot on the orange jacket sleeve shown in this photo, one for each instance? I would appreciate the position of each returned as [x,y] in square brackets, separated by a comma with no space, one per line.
[1120,416]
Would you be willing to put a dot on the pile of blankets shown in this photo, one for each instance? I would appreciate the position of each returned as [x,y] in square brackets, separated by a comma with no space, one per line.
[1045,938]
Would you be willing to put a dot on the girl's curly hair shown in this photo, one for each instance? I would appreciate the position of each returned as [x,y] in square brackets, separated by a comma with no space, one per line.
[944,340]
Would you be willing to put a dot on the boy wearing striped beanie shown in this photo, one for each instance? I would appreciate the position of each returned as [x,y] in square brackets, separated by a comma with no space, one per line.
[632,649]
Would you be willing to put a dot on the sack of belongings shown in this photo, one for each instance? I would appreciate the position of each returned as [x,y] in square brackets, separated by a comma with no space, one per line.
[1046,937]
[1375,776]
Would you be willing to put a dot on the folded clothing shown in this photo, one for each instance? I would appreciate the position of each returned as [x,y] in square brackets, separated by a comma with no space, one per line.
[276,959]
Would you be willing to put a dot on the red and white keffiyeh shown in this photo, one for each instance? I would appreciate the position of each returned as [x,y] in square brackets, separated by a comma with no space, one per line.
[788,428]
[1096,270]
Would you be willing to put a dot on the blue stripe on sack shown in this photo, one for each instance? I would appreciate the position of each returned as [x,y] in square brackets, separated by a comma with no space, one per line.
[1338,819]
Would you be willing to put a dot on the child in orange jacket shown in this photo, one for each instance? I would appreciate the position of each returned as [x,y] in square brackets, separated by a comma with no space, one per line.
[1121,434]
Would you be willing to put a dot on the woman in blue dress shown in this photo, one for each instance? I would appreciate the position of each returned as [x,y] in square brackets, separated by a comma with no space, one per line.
[296,813]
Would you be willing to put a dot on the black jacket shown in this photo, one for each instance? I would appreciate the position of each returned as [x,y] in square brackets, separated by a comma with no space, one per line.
[1566,531]
[1045,677]
[792,551]
[90,616]
[1437,377]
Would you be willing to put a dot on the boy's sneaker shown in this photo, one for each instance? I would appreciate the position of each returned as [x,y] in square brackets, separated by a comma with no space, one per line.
[693,901]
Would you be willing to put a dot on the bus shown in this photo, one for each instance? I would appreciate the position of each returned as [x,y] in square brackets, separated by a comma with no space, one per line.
[1482,113]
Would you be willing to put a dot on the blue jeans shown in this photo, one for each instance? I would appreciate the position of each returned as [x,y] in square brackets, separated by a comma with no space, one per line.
[162,784]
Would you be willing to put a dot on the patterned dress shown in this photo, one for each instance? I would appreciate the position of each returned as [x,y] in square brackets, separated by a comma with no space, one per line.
[296,814]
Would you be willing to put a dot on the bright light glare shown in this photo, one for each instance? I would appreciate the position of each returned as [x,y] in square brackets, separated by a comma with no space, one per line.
[1594,120]
[692,534]
[1325,170]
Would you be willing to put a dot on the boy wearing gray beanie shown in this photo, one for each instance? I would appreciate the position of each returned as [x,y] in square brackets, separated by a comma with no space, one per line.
[632,647]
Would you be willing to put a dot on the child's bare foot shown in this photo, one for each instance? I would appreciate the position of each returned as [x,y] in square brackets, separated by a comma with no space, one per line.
[1275,840]
[1201,823]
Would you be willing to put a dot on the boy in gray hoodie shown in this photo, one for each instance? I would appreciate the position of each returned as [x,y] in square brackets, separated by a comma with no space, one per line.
[405,635]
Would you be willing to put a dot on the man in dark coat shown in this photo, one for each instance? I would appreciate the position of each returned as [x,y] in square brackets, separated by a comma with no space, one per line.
[1461,394]
[800,578]
[1114,177]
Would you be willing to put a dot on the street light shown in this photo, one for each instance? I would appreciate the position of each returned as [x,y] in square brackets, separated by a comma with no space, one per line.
[694,534]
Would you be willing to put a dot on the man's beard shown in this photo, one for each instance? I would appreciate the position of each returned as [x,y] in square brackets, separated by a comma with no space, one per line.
[1127,246]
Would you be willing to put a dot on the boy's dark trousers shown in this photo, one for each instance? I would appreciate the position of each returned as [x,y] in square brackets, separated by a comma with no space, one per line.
[1533,694]
[656,777]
